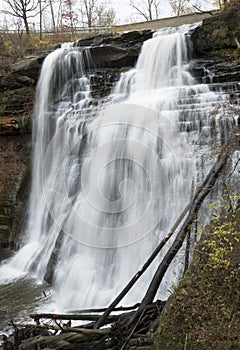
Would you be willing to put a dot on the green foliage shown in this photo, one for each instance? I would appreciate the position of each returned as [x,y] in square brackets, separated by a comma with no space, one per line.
[203,312]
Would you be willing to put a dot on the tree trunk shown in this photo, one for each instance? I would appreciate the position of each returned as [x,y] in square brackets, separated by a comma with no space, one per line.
[52,15]
[26,24]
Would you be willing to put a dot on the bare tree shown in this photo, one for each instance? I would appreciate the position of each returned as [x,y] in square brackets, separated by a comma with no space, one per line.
[52,15]
[22,9]
[69,15]
[105,16]
[181,7]
[95,13]
[88,11]
[148,9]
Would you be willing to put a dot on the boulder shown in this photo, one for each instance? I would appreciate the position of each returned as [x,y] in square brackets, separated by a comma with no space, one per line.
[28,66]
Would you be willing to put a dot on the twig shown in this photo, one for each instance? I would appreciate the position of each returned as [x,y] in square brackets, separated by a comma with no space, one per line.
[132,331]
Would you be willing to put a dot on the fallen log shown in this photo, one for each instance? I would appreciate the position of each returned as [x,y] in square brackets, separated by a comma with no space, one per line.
[74,317]
[199,196]
[120,308]
[86,331]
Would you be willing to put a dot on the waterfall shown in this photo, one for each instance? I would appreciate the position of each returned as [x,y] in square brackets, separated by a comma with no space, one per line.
[109,181]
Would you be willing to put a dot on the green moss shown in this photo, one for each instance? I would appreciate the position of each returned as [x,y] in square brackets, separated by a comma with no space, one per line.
[25,123]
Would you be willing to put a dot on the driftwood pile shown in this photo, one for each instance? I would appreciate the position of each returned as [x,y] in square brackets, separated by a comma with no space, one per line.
[53,331]
[135,326]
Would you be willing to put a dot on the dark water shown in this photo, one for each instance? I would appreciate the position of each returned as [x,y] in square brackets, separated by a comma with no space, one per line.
[19,298]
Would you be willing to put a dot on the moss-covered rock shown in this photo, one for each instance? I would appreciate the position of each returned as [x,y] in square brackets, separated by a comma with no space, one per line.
[220,32]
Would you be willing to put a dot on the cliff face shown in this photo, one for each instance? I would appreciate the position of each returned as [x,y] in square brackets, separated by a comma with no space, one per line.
[14,186]
[16,104]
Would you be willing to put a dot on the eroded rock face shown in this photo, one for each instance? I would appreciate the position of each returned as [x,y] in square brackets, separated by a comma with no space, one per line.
[220,32]
[216,70]
[16,104]
[107,51]
[115,51]
[14,184]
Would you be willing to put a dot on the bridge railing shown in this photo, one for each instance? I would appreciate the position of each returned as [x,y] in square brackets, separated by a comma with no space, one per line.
[152,25]
[75,30]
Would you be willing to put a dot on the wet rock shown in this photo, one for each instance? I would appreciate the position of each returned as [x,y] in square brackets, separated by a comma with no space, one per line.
[108,51]
[110,56]
[124,40]
[102,81]
[115,51]
[216,70]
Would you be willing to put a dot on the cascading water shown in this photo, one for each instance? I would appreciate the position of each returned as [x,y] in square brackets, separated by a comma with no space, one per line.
[108,184]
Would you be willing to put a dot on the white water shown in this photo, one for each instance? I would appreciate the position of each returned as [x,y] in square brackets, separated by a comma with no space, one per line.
[112,187]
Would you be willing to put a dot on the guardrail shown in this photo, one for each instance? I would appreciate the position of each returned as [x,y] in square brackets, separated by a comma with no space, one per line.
[76,30]
[153,25]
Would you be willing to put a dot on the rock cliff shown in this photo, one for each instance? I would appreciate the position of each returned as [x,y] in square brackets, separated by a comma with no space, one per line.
[16,105]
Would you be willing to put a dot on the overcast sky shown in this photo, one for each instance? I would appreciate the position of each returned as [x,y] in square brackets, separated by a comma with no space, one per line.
[124,12]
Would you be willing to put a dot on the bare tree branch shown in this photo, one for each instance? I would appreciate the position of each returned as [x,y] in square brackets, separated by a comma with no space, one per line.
[148,9]
[21,9]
